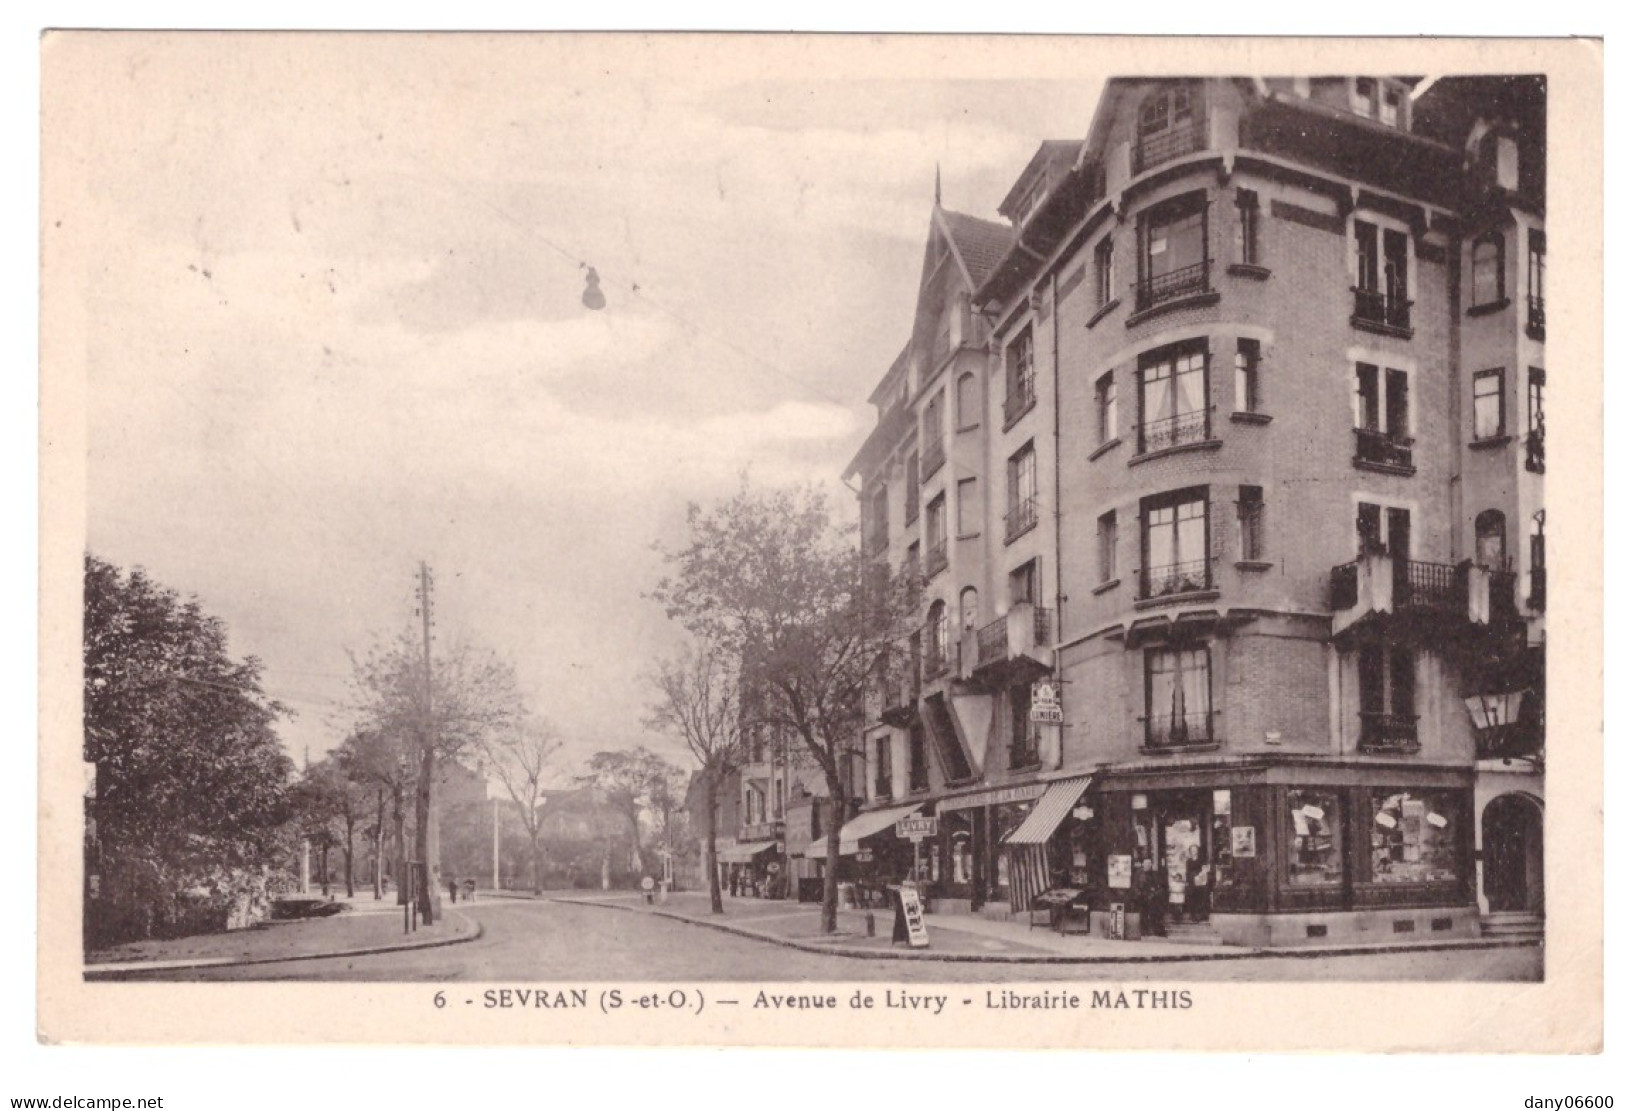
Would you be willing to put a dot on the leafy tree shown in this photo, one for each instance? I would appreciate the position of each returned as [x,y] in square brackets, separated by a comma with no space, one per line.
[385,762]
[632,781]
[332,800]
[520,758]
[698,700]
[440,708]
[767,578]
[191,790]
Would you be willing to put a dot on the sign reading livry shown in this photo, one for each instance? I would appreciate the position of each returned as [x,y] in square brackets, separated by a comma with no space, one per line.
[916,829]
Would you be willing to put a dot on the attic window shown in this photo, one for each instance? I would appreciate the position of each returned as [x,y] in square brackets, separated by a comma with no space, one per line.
[1030,203]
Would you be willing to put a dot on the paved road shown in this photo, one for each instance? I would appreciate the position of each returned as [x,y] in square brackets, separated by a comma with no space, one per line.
[528,942]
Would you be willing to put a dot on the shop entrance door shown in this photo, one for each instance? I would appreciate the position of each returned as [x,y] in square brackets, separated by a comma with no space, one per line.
[1184,855]
[1513,850]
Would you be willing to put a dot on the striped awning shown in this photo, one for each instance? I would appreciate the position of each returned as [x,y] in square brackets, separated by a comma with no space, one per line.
[867,824]
[1049,812]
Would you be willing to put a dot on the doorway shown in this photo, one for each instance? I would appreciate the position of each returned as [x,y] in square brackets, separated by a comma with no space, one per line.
[1514,855]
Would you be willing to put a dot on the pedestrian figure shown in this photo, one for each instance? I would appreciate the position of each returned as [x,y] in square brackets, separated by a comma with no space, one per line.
[451,882]
[468,891]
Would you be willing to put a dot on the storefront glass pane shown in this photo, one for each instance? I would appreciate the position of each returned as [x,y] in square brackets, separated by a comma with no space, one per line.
[1316,853]
[1414,837]
[1223,862]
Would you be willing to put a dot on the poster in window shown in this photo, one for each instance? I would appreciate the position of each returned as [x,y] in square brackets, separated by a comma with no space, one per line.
[1120,871]
[1243,842]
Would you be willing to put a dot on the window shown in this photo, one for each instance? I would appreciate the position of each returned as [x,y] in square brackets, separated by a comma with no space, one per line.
[931,455]
[1173,251]
[1382,404]
[936,639]
[1177,692]
[1387,698]
[1106,407]
[1023,741]
[969,401]
[875,523]
[1024,583]
[911,489]
[1104,292]
[936,535]
[1489,276]
[1415,836]
[817,819]
[1382,274]
[1174,543]
[911,562]
[1022,513]
[970,508]
[1018,376]
[1391,98]
[778,800]
[1365,96]
[1537,284]
[1247,228]
[919,776]
[883,767]
[1169,126]
[1315,858]
[1106,546]
[1490,539]
[1489,406]
[1372,538]
[1248,399]
[968,606]
[1173,397]
[1537,562]
[1535,445]
[1250,520]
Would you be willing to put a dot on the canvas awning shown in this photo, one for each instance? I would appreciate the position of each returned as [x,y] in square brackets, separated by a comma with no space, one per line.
[1049,811]
[744,854]
[864,825]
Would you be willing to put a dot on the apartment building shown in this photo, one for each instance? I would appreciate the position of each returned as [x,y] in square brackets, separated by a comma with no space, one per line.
[1236,452]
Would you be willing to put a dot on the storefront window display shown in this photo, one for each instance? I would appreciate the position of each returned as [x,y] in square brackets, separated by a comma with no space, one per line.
[1223,861]
[1315,857]
[1005,820]
[959,857]
[1414,837]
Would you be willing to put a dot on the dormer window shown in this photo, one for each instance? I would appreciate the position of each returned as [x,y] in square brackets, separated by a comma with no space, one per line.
[1379,100]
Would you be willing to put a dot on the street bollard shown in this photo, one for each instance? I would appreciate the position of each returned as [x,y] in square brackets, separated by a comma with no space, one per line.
[869,922]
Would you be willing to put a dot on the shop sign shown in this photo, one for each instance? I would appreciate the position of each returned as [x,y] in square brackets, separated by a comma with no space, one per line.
[909,924]
[1243,841]
[1045,708]
[1120,870]
[917,829]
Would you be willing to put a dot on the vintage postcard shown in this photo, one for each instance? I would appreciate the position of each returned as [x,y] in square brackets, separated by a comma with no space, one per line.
[771,540]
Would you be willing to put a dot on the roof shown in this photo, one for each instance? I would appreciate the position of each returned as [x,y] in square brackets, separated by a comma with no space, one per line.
[979,243]
[1050,152]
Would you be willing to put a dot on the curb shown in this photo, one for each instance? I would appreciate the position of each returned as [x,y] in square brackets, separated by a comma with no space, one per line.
[133,969]
[1238,954]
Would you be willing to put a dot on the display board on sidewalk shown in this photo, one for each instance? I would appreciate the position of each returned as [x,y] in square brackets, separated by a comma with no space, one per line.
[909,924]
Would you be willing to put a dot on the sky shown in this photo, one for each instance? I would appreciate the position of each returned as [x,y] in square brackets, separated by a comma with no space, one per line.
[335,323]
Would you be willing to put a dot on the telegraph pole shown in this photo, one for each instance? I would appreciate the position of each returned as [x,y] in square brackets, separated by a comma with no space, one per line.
[428,813]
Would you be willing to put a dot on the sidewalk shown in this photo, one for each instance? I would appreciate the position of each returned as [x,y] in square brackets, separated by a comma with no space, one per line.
[363,927]
[964,937]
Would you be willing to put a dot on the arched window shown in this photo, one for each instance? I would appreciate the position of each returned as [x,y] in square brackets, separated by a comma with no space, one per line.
[1491,531]
[967,608]
[1489,274]
[968,401]
[936,637]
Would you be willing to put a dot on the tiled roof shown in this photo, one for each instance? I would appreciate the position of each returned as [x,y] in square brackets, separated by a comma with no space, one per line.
[981,243]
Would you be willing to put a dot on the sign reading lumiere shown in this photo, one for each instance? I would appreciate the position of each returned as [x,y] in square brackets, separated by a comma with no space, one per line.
[1046,703]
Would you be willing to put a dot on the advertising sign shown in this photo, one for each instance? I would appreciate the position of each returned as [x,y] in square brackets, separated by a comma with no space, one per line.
[1243,842]
[910,922]
[1120,871]
[917,829]
[1045,708]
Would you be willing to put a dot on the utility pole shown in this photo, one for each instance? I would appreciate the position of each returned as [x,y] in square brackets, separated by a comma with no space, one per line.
[428,811]
[496,842]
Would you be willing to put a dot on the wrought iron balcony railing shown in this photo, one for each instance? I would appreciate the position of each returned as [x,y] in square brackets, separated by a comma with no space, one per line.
[1175,578]
[1388,733]
[1345,586]
[1187,281]
[1534,447]
[1537,589]
[1165,146]
[1165,731]
[1385,309]
[1537,317]
[993,641]
[1386,449]
[1022,516]
[1438,585]
[1182,428]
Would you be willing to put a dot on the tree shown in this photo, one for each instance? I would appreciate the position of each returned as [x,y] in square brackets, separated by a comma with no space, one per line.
[385,762]
[631,780]
[191,798]
[698,700]
[769,579]
[520,757]
[442,707]
[333,797]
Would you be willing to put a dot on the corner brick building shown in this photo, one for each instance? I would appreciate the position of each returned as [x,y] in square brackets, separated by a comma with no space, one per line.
[1232,437]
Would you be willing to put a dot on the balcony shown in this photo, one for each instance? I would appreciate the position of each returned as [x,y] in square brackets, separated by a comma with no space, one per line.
[1387,313]
[1171,732]
[935,662]
[1165,146]
[1388,734]
[1017,404]
[1175,285]
[936,558]
[1375,449]
[1174,579]
[1534,447]
[932,456]
[1012,647]
[1536,327]
[1537,590]
[1194,427]
[1021,517]
[1431,596]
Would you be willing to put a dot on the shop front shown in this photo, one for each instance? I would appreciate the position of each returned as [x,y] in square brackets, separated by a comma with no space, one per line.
[1282,854]
[872,856]
[1051,847]
[753,869]
[972,868]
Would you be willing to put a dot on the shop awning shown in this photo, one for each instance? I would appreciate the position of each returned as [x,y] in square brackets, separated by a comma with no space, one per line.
[1049,812]
[864,825]
[744,854]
